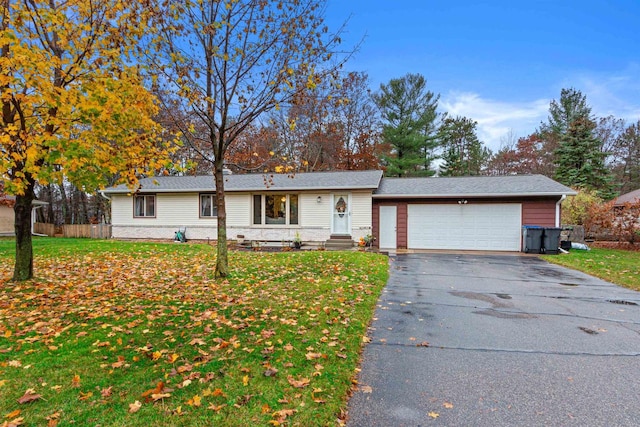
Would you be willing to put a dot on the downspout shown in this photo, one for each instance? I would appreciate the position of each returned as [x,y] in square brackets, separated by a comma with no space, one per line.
[33,222]
[558,203]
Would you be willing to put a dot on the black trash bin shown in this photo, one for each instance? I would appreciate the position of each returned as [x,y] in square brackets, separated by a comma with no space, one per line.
[551,239]
[532,239]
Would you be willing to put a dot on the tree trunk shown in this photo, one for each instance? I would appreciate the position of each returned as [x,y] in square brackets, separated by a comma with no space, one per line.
[24,250]
[222,262]
[64,203]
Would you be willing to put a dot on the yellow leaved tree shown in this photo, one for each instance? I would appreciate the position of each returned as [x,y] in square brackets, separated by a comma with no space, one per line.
[73,102]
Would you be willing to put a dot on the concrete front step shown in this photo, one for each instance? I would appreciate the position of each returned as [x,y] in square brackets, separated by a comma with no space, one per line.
[339,243]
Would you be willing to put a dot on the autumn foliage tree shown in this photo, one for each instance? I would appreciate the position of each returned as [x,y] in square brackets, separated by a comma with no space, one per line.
[330,127]
[227,63]
[73,106]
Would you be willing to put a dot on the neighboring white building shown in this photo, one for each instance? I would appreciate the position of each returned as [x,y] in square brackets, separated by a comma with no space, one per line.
[7,216]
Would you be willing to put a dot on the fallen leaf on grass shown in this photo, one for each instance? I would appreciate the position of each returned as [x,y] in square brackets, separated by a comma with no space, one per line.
[313,356]
[159,396]
[159,387]
[280,416]
[75,381]
[134,407]
[270,372]
[13,414]
[16,422]
[298,383]
[29,396]
[195,401]
[120,363]
[85,396]
[52,420]
[218,392]
[106,392]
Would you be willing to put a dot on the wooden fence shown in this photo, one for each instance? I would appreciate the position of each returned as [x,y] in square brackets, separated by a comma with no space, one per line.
[91,231]
[43,228]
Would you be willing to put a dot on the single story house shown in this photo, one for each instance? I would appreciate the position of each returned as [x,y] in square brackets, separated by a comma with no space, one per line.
[7,216]
[466,213]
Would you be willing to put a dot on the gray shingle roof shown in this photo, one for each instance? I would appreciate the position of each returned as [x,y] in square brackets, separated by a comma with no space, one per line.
[259,182]
[472,186]
[631,197]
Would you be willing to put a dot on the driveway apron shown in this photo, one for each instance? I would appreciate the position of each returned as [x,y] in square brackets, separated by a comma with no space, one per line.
[484,340]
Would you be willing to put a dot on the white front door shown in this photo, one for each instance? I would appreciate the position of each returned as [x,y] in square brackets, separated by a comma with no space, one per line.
[388,228]
[341,223]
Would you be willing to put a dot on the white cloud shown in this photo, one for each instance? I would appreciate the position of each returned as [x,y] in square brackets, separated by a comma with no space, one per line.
[616,94]
[496,118]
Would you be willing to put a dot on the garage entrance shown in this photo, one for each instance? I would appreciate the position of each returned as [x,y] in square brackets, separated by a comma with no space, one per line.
[464,226]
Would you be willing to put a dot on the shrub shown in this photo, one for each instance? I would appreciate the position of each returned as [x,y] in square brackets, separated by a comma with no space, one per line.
[576,209]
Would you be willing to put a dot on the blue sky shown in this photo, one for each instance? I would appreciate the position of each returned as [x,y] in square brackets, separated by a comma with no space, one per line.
[501,62]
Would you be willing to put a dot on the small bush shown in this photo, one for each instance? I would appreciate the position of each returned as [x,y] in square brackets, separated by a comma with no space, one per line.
[576,209]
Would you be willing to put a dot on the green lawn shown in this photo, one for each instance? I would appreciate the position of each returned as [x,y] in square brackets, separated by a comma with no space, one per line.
[140,334]
[616,266]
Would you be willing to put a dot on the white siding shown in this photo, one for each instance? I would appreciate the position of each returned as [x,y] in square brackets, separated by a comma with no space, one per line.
[238,208]
[171,210]
[314,214]
[361,210]
[174,211]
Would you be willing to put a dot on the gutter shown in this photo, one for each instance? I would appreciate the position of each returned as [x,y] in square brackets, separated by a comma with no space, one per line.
[558,203]
[468,195]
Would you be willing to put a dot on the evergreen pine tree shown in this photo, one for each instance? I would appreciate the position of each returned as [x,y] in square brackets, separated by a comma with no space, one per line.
[408,111]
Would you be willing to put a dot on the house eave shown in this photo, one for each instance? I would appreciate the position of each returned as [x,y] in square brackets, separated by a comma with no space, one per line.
[472,195]
[272,189]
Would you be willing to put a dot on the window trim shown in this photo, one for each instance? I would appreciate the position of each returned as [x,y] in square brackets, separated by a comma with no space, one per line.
[144,196]
[263,209]
[214,205]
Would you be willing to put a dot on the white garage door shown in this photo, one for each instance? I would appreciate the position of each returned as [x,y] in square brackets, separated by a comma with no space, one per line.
[491,227]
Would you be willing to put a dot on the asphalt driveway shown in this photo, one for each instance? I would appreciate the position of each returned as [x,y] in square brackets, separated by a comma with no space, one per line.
[483,340]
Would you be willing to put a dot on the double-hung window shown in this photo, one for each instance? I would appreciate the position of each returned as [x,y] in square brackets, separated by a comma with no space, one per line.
[275,209]
[208,206]
[144,206]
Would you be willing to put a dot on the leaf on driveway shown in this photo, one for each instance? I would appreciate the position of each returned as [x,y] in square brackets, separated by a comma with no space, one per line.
[448,405]
[433,415]
[366,389]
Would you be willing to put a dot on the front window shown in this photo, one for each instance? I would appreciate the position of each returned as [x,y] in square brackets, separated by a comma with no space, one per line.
[275,209]
[208,205]
[144,206]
